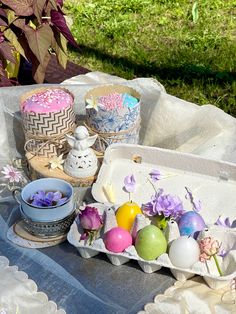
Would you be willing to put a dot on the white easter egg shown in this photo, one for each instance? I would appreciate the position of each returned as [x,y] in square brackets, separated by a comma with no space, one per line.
[184,252]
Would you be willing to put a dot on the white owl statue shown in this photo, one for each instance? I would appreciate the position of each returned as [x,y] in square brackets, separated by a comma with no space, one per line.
[81,161]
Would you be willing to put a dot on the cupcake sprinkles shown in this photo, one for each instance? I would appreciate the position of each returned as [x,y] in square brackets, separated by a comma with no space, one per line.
[49,100]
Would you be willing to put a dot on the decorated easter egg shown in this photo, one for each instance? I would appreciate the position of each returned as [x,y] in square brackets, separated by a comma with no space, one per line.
[117,240]
[184,252]
[190,222]
[126,214]
[150,243]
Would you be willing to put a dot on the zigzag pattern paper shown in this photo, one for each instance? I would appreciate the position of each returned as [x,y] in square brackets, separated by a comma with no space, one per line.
[47,125]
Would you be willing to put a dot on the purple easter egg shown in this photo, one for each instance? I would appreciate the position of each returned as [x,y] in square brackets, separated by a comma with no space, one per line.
[190,223]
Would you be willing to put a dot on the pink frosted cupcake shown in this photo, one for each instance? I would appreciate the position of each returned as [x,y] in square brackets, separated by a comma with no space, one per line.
[48,100]
[47,115]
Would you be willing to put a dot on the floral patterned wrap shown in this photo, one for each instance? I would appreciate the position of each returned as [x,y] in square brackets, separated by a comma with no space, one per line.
[119,123]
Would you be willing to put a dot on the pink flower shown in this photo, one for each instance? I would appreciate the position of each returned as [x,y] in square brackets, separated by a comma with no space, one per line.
[12,174]
[208,247]
[90,219]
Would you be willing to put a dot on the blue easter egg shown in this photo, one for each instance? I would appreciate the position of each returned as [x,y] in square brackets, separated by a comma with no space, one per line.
[190,223]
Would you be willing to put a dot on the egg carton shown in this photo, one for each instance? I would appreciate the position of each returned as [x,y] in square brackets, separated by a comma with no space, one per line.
[207,269]
[211,181]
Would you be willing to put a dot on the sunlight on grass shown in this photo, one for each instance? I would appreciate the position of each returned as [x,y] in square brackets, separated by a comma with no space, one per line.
[194,61]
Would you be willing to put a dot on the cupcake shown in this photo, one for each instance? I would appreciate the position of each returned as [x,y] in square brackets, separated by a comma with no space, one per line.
[48,100]
[113,112]
[47,115]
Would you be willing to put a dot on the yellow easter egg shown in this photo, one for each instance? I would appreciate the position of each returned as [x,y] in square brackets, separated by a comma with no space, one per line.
[126,214]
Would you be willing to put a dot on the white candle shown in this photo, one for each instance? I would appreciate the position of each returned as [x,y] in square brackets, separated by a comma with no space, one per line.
[184,252]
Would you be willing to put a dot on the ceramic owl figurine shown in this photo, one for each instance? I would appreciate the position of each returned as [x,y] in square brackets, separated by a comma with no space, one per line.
[81,161]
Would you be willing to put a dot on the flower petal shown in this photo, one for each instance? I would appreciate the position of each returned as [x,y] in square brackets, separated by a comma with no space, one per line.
[129,183]
[155,175]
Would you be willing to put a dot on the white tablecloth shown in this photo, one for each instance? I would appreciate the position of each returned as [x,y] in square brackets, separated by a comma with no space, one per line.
[19,295]
[167,122]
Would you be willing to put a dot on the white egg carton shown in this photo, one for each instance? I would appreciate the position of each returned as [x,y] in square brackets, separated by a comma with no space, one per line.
[213,182]
[207,270]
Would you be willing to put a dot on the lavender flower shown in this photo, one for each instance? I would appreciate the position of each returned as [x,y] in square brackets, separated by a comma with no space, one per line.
[167,205]
[155,175]
[223,252]
[225,222]
[196,204]
[129,184]
[43,199]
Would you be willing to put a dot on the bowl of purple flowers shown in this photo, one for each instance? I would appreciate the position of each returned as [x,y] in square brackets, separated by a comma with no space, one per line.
[46,200]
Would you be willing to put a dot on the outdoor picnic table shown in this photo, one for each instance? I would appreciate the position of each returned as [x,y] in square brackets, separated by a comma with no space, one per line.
[94,285]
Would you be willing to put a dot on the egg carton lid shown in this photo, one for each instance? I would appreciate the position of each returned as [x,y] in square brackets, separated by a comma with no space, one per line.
[212,182]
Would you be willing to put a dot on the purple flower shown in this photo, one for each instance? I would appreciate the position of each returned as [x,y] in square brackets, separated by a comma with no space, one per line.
[170,206]
[155,175]
[12,174]
[196,204]
[223,252]
[90,219]
[129,184]
[43,199]
[225,223]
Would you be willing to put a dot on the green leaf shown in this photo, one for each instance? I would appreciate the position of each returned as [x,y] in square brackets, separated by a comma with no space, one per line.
[59,44]
[11,16]
[39,40]
[195,12]
[12,38]
[38,7]
[21,7]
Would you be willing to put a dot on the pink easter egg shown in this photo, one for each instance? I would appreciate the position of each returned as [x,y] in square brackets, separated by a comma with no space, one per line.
[117,240]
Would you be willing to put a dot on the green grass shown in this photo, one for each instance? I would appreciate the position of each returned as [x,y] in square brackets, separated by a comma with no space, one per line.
[150,38]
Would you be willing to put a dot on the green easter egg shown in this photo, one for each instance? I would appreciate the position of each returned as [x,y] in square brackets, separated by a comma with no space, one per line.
[150,243]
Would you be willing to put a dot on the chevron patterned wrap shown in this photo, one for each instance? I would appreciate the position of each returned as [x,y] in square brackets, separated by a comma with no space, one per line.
[44,131]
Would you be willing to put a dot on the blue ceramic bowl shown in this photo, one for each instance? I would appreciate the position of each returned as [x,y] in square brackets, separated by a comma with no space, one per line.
[46,214]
